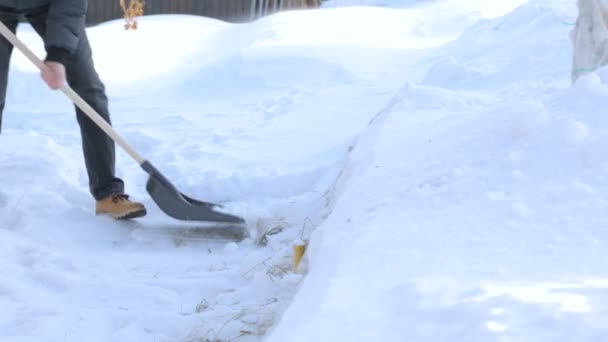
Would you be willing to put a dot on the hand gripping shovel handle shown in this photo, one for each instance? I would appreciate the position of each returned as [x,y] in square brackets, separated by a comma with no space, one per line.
[78,101]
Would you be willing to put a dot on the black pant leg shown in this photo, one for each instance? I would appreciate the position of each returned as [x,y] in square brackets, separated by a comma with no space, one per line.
[98,147]
[6,49]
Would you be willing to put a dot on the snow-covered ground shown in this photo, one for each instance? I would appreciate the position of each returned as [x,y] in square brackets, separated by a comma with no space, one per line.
[447,174]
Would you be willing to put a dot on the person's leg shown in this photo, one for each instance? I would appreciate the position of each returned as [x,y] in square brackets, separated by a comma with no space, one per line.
[98,147]
[6,49]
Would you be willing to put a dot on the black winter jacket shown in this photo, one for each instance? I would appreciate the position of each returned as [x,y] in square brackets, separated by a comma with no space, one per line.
[65,23]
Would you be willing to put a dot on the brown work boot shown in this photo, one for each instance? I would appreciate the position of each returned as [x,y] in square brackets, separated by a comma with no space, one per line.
[119,207]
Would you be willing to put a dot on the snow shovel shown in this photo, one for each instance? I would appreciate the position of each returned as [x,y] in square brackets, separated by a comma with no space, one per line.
[166,196]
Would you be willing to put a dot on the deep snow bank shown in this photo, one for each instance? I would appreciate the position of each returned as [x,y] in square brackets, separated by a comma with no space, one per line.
[475,204]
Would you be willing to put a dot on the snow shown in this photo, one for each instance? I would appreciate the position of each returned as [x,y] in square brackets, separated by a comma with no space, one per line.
[447,175]
[473,206]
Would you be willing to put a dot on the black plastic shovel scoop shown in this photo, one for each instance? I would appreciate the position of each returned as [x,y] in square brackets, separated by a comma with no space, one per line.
[180,206]
[166,196]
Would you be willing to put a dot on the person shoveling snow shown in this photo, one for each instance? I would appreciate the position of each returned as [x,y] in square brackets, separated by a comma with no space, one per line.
[61,25]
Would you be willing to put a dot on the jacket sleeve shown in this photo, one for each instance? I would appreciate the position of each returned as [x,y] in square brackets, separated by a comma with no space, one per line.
[65,25]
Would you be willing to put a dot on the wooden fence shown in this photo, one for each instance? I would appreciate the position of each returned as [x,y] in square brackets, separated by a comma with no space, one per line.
[228,10]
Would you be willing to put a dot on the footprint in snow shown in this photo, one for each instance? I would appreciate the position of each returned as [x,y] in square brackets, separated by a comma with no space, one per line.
[10,218]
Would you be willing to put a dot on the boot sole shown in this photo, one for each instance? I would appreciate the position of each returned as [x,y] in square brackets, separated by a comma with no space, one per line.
[127,216]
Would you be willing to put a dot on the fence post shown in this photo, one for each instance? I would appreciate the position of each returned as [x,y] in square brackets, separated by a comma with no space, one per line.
[275,6]
[252,12]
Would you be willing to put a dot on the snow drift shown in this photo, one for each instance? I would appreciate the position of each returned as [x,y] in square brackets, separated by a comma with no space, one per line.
[474,205]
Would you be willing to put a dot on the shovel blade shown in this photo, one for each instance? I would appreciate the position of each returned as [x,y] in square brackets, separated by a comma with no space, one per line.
[179,206]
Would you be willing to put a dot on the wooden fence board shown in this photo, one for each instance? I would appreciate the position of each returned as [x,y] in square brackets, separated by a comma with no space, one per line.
[229,10]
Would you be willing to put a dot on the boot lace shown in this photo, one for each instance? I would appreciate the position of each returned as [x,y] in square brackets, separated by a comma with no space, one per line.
[119,198]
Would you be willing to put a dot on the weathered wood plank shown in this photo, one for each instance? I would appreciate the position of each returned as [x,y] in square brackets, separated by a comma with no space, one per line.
[229,10]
